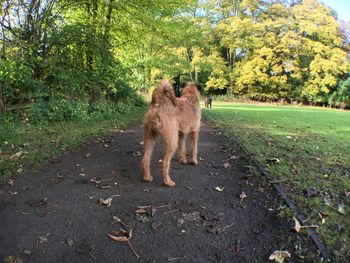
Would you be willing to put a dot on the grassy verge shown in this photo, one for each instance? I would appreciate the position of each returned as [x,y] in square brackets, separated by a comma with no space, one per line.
[24,145]
[312,147]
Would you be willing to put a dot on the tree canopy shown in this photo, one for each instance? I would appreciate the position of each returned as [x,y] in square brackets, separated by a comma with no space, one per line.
[101,49]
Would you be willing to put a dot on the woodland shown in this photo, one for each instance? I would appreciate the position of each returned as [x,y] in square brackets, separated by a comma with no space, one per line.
[63,59]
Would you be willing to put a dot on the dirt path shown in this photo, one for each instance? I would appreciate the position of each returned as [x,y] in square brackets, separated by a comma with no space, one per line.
[56,216]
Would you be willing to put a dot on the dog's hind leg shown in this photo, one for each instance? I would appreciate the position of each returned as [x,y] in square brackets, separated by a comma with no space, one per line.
[193,147]
[182,148]
[170,143]
[149,140]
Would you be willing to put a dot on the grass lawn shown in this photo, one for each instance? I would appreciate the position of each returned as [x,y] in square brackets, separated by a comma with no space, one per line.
[312,146]
[29,145]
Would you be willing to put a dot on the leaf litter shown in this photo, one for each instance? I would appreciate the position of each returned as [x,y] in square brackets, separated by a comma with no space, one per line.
[279,256]
[108,201]
[123,236]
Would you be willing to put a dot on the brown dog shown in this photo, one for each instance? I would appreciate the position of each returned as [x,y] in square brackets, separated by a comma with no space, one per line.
[172,118]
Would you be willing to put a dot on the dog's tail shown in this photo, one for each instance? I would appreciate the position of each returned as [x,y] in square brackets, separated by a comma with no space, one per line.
[163,92]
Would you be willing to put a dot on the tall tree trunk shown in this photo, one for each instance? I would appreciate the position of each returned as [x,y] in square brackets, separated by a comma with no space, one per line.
[2,102]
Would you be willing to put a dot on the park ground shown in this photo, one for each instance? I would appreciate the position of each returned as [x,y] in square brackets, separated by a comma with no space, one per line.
[52,210]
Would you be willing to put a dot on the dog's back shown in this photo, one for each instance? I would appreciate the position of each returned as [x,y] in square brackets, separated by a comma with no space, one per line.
[189,114]
[163,93]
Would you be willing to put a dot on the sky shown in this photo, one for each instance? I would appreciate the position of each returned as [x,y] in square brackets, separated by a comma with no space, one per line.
[342,7]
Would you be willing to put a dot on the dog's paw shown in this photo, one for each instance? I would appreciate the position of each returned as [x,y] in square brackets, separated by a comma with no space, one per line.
[170,183]
[183,161]
[148,179]
[194,162]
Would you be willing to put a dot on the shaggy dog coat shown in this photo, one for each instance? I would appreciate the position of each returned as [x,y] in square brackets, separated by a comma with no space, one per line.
[172,118]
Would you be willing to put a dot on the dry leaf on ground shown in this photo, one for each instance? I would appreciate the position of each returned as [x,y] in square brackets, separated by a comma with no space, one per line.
[227,165]
[107,202]
[341,209]
[279,256]
[219,188]
[11,182]
[297,226]
[242,196]
[123,236]
[12,259]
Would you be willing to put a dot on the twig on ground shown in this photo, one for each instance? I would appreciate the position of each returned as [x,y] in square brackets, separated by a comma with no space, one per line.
[171,211]
[172,259]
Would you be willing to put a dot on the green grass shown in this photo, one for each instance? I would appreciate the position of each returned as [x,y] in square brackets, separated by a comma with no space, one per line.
[38,143]
[313,146]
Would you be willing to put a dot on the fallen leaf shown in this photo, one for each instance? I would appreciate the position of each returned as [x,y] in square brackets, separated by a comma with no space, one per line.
[180,221]
[273,160]
[136,154]
[227,165]
[13,193]
[11,182]
[242,196]
[116,219]
[27,252]
[156,225]
[233,157]
[103,185]
[88,155]
[108,201]
[219,189]
[279,256]
[119,239]
[297,226]
[69,241]
[42,239]
[237,246]
[123,236]
[96,180]
[146,189]
[341,209]
[17,155]
[38,202]
[141,143]
[12,259]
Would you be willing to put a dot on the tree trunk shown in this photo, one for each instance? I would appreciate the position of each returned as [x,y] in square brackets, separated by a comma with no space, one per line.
[2,102]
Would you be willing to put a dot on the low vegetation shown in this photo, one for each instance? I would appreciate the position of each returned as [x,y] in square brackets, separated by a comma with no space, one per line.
[31,141]
[307,149]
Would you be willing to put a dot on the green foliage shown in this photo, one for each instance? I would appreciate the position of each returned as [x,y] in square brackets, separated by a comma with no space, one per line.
[341,96]
[97,50]
[272,50]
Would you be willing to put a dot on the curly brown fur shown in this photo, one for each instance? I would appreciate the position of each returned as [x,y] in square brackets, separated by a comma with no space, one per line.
[173,118]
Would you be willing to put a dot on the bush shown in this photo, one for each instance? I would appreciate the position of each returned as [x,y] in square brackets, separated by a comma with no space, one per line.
[340,98]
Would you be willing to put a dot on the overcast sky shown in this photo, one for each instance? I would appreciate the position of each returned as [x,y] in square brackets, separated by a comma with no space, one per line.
[342,7]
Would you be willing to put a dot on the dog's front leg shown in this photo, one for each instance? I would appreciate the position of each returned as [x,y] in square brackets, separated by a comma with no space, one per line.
[193,147]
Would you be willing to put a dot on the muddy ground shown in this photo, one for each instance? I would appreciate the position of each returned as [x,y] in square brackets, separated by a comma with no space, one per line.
[56,215]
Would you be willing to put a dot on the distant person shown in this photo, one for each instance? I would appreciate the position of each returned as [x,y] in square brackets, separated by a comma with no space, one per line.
[208,100]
